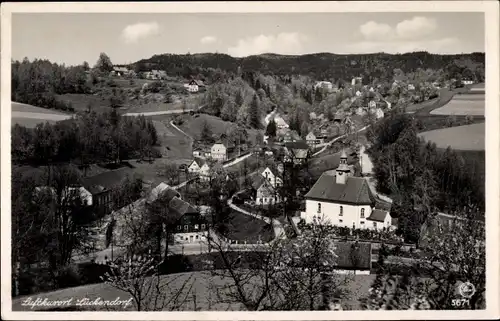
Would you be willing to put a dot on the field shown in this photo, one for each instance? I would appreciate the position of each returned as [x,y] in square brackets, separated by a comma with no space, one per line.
[81,101]
[193,125]
[465,104]
[30,116]
[192,101]
[468,137]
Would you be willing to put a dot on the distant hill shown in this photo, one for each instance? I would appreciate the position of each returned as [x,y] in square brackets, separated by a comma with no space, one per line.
[318,65]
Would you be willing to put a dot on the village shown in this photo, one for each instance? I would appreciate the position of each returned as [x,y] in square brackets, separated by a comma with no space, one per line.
[193,180]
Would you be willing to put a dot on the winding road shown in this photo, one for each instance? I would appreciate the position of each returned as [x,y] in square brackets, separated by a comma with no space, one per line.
[336,139]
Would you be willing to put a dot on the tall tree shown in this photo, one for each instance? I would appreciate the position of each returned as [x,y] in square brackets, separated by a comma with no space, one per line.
[271,128]
[104,63]
[254,112]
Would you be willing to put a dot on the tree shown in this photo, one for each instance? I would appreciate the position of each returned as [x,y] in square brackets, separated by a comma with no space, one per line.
[454,254]
[104,63]
[206,134]
[254,112]
[139,276]
[282,275]
[271,128]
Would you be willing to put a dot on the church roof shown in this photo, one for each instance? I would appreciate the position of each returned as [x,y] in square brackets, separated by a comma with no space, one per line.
[355,191]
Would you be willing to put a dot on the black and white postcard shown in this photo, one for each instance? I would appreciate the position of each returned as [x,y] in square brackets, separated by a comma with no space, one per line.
[250,160]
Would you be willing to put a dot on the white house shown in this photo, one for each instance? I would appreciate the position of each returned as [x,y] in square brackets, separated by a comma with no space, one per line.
[194,86]
[265,193]
[467,81]
[272,178]
[219,152]
[411,87]
[378,112]
[200,166]
[372,104]
[324,85]
[358,93]
[356,80]
[340,199]
[280,122]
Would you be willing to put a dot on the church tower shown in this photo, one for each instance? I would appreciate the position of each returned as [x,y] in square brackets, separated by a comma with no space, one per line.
[343,171]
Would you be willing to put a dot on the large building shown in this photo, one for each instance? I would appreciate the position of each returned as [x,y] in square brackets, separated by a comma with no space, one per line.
[219,152]
[340,199]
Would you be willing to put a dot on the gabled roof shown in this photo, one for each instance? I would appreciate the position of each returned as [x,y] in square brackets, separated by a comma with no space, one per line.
[179,208]
[198,160]
[163,190]
[354,191]
[196,82]
[219,145]
[261,180]
[378,215]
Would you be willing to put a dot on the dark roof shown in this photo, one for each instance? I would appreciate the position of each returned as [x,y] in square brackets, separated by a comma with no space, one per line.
[352,255]
[107,180]
[354,191]
[297,145]
[200,161]
[378,215]
[179,208]
[197,82]
[258,181]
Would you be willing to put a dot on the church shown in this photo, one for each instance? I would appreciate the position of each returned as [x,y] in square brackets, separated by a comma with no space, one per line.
[340,199]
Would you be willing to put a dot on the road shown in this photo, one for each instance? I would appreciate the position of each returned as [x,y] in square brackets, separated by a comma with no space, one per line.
[161,112]
[336,139]
[237,160]
[180,130]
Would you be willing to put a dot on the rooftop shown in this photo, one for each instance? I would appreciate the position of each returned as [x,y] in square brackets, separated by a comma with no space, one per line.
[354,191]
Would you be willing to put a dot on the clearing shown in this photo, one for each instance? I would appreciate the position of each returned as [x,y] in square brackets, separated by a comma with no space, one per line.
[465,104]
[81,102]
[30,116]
[467,137]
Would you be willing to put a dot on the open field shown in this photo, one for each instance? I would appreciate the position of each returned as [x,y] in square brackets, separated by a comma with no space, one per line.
[193,125]
[191,101]
[467,137]
[81,102]
[462,106]
[30,116]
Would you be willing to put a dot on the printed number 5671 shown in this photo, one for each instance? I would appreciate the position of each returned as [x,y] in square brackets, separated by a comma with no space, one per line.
[459,302]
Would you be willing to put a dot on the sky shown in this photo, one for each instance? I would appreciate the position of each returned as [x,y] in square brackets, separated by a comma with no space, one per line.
[72,38]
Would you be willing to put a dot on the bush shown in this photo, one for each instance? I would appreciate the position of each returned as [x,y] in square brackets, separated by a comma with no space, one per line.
[68,276]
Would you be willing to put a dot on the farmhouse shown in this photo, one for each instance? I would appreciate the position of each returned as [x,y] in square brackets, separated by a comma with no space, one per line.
[272,177]
[219,152]
[120,71]
[190,226]
[340,199]
[199,166]
[155,74]
[314,138]
[291,136]
[264,192]
[194,85]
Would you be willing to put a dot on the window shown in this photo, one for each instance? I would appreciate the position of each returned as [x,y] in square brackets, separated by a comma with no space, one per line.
[319,207]
[375,224]
[340,221]
[202,226]
[362,223]
[196,236]
[196,226]
[179,227]
[353,225]
[185,227]
[341,211]
[362,213]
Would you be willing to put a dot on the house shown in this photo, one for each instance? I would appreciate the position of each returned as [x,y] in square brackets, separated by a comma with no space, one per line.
[337,198]
[199,166]
[162,190]
[189,225]
[378,112]
[356,80]
[103,188]
[194,85]
[360,111]
[198,152]
[280,122]
[358,93]
[324,85]
[218,152]
[297,152]
[264,192]
[372,104]
[467,81]
[291,136]
[272,177]
[411,87]
[314,138]
[119,71]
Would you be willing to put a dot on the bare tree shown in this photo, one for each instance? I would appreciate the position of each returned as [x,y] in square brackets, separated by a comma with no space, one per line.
[139,276]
